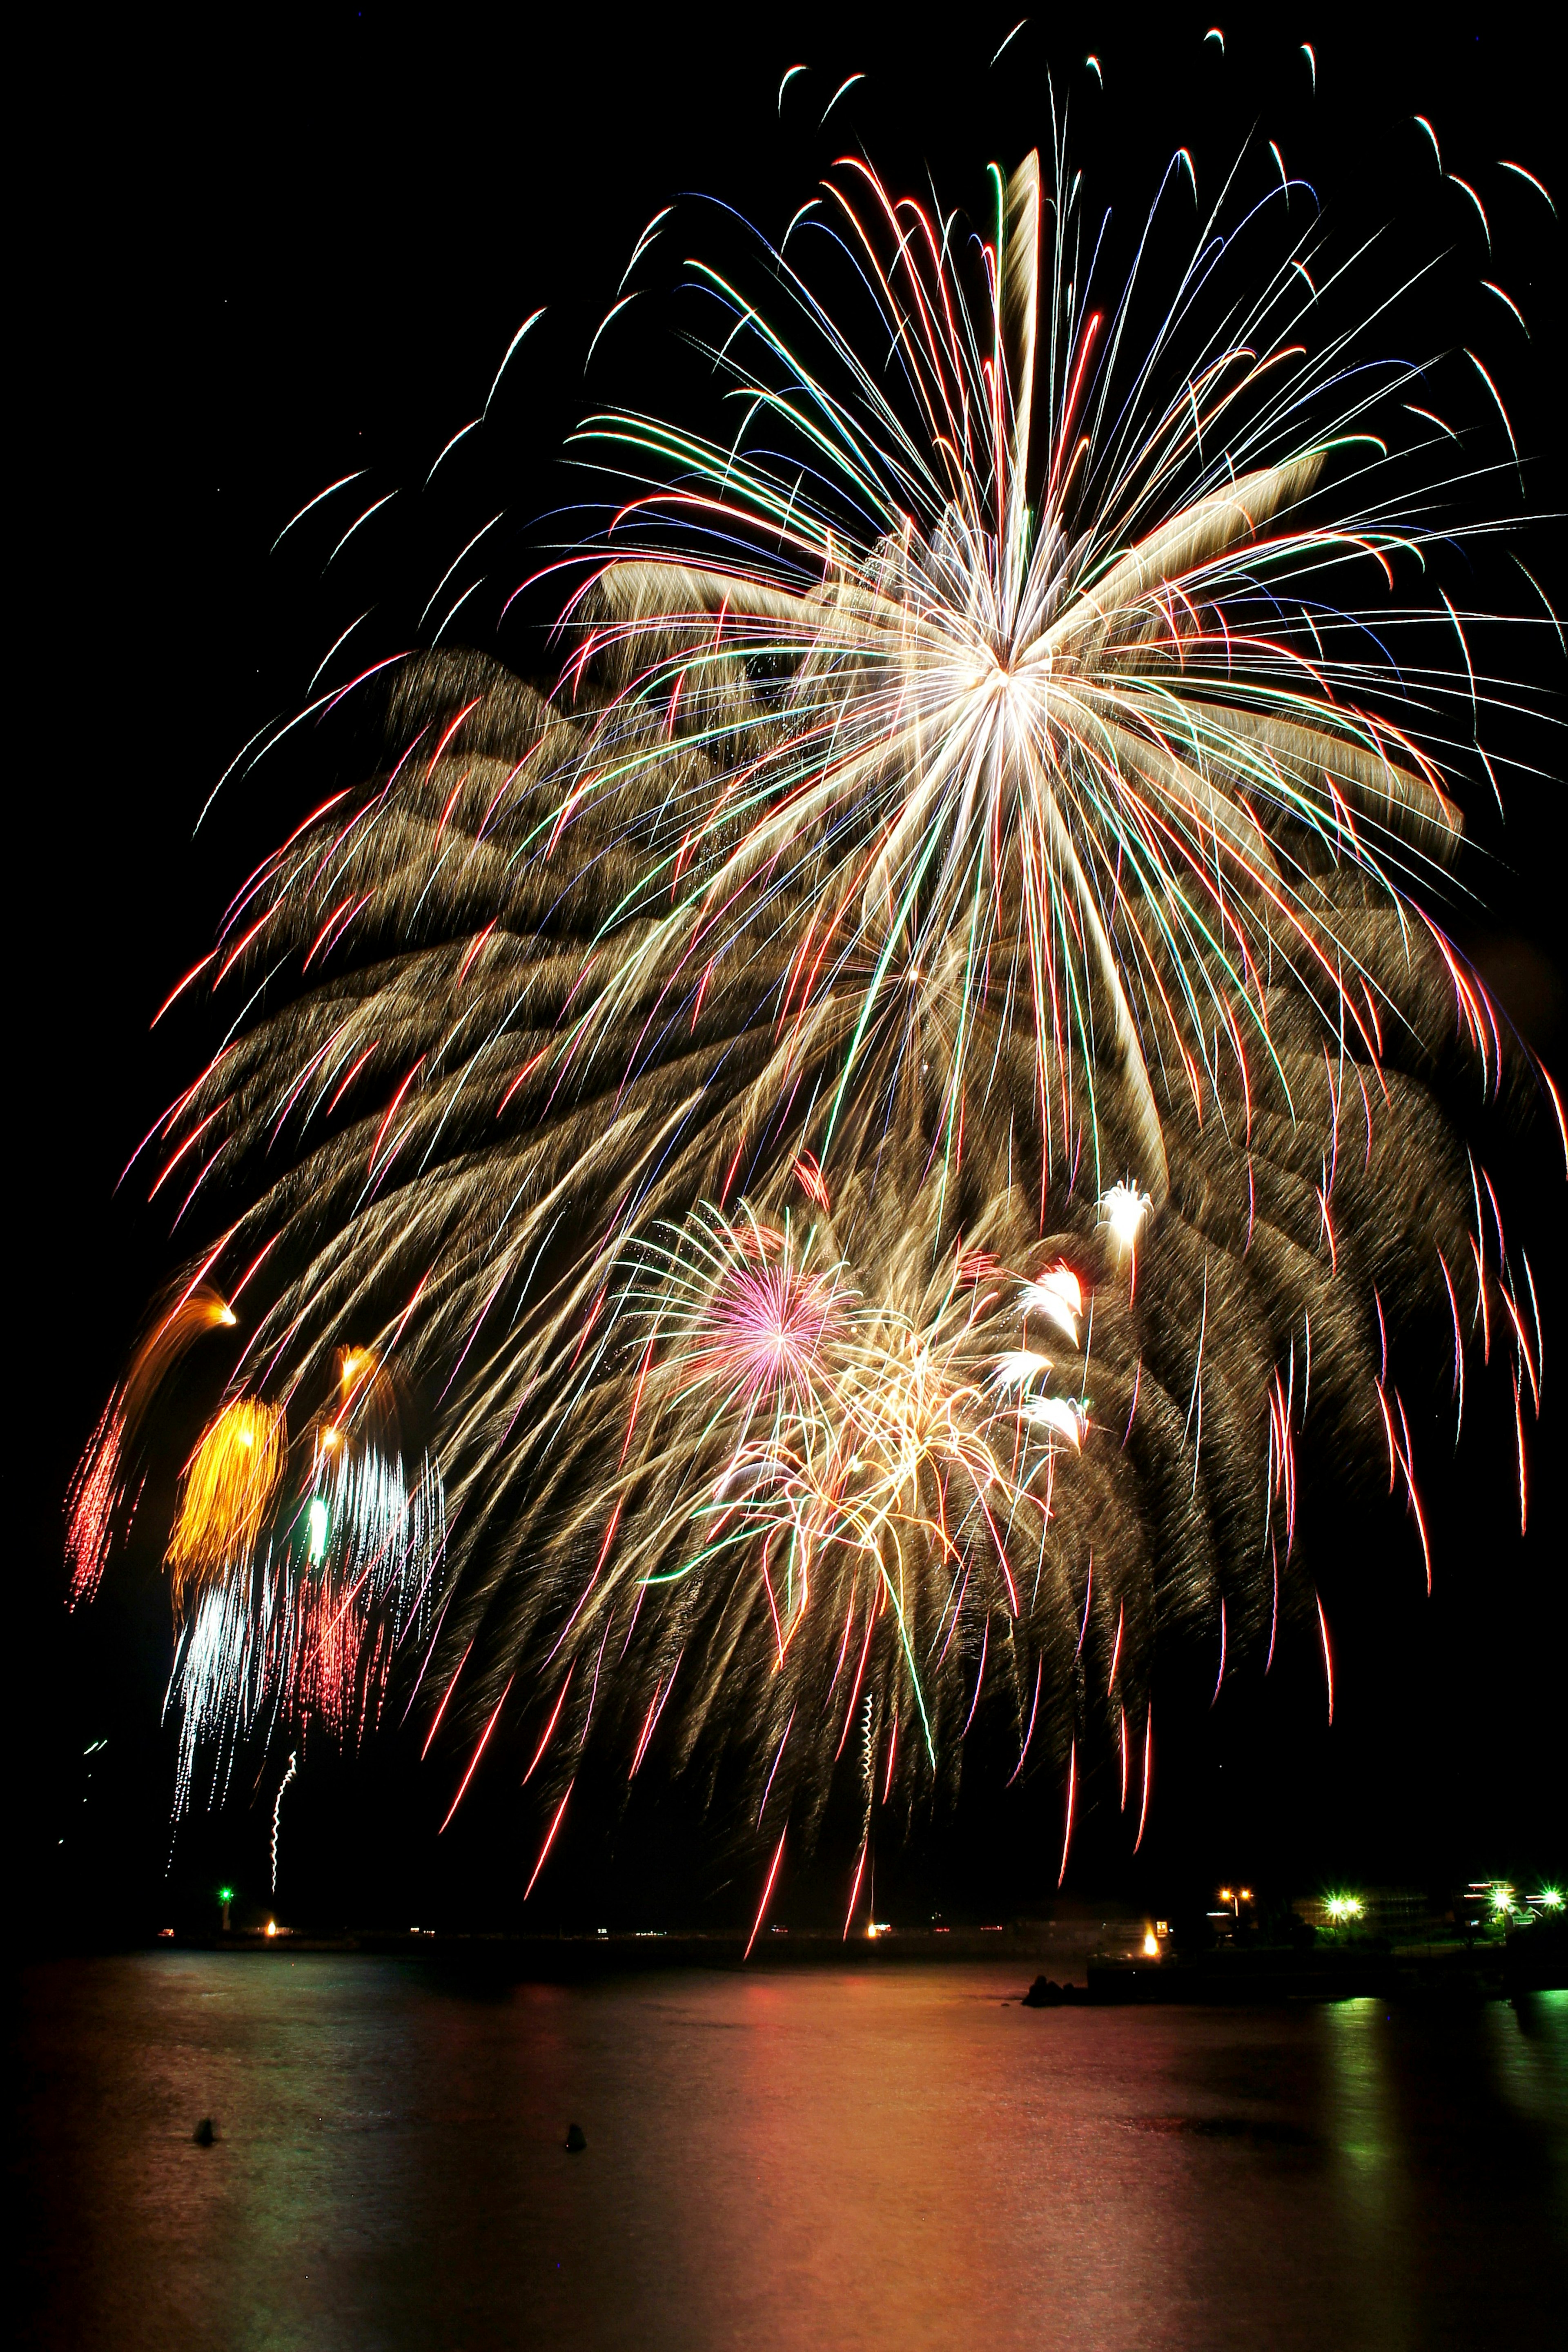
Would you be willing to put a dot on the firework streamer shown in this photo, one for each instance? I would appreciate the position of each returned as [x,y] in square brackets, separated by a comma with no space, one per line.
[277,1809]
[922,1060]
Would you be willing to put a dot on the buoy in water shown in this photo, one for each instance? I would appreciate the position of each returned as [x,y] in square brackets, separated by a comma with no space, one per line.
[204,2132]
[576,2140]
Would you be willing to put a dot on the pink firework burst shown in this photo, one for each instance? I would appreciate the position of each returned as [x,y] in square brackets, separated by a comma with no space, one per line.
[766,1330]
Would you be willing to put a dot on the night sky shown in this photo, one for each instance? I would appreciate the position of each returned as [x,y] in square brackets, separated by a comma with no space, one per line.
[260,256]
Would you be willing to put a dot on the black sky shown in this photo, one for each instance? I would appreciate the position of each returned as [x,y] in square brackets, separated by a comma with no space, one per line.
[263,252]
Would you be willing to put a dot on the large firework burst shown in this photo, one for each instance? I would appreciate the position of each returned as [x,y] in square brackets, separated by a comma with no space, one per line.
[864,1127]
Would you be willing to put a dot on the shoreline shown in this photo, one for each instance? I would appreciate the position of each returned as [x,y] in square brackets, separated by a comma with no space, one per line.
[1083,1973]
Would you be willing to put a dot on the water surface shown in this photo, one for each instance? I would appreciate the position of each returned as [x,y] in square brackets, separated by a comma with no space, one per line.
[901,2158]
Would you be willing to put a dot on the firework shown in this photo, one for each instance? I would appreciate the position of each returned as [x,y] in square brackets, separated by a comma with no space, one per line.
[98,1496]
[228,1486]
[288,1776]
[304,1625]
[876,1123]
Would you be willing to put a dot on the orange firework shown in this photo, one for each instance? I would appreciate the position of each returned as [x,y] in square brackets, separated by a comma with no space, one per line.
[198,1310]
[98,1490]
[229,1482]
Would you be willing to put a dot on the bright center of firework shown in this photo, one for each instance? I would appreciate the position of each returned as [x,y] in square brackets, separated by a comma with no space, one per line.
[1124,1208]
[770,1325]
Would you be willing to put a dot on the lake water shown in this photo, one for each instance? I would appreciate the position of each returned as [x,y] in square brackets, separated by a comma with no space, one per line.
[900,2158]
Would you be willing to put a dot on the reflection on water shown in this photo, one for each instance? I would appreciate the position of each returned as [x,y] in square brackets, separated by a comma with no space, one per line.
[901,2159]
[1372,2179]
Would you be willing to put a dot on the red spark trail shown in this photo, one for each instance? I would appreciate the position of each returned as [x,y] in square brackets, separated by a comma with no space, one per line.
[767,1893]
[548,1840]
[854,1897]
[479,1751]
[1072,1794]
